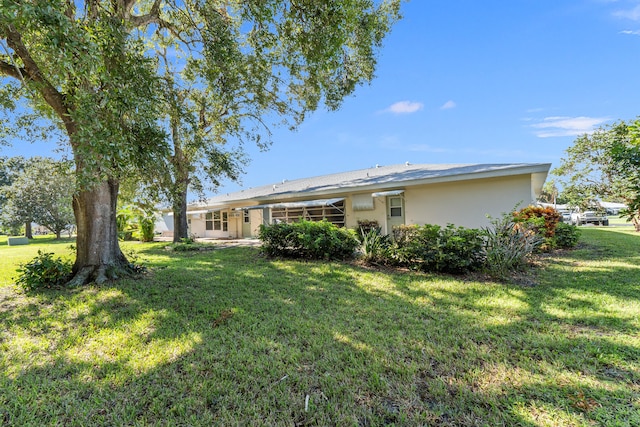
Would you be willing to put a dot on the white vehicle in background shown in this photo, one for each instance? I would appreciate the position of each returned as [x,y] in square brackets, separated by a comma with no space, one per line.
[566,215]
[595,217]
[563,210]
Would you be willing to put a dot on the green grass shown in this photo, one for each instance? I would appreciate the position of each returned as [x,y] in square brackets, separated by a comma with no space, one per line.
[227,337]
[618,221]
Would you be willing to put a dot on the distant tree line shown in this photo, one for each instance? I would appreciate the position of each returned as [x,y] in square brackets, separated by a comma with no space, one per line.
[36,190]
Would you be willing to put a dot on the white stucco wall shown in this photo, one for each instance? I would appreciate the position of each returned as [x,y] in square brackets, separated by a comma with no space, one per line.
[255,216]
[379,213]
[466,203]
[462,203]
[197,226]
[164,222]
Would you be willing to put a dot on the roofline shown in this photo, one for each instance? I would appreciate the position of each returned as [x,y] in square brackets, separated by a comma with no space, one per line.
[522,170]
[508,170]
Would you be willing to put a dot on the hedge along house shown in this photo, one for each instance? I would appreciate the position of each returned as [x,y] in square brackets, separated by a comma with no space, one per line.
[460,194]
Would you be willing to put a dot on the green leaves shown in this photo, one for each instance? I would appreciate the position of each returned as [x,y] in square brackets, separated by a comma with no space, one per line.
[259,64]
[431,247]
[44,271]
[41,192]
[604,166]
[115,75]
[308,239]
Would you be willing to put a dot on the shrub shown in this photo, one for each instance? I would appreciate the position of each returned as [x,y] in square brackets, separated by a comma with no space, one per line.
[277,239]
[375,246]
[308,239]
[125,223]
[433,248]
[187,244]
[508,244]
[567,235]
[366,225]
[147,225]
[135,224]
[44,271]
[550,218]
[543,221]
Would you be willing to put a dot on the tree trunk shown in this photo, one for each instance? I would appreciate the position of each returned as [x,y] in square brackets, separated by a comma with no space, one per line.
[98,254]
[180,185]
[28,233]
[180,225]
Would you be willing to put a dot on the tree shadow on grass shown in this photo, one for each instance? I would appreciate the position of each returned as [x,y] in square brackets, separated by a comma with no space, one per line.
[230,338]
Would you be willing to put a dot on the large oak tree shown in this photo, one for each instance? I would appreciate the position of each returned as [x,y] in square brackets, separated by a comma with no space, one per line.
[90,67]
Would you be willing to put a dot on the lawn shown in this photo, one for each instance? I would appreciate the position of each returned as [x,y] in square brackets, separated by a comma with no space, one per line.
[227,337]
[619,221]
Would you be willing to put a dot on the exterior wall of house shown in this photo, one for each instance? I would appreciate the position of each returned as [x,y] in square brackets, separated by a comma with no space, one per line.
[164,222]
[197,225]
[462,203]
[256,219]
[378,213]
[233,225]
[466,203]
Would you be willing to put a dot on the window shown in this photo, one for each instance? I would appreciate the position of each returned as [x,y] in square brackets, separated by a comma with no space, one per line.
[362,202]
[209,221]
[395,206]
[245,216]
[333,213]
[216,220]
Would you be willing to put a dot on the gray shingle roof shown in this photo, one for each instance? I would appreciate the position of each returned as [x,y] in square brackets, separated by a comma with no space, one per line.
[379,177]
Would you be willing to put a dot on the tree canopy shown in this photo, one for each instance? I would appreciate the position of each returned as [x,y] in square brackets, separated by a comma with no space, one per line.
[93,68]
[604,166]
[41,193]
[10,169]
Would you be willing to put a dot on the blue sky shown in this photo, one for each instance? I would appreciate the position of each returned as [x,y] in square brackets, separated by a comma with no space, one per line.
[470,82]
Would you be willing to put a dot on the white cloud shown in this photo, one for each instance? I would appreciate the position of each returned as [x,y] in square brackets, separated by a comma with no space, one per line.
[631,32]
[567,126]
[405,107]
[448,105]
[632,14]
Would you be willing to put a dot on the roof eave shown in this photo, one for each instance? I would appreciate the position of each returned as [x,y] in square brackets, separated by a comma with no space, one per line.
[532,168]
[497,173]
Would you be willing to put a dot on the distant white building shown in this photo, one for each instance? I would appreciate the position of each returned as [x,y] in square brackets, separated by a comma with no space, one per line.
[613,208]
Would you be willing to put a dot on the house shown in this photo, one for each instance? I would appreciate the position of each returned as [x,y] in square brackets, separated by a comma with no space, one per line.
[613,208]
[461,194]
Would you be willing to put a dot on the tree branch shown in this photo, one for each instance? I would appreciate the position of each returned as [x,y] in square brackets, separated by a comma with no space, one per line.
[153,17]
[11,70]
[91,9]
[31,72]
[70,11]
[127,5]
